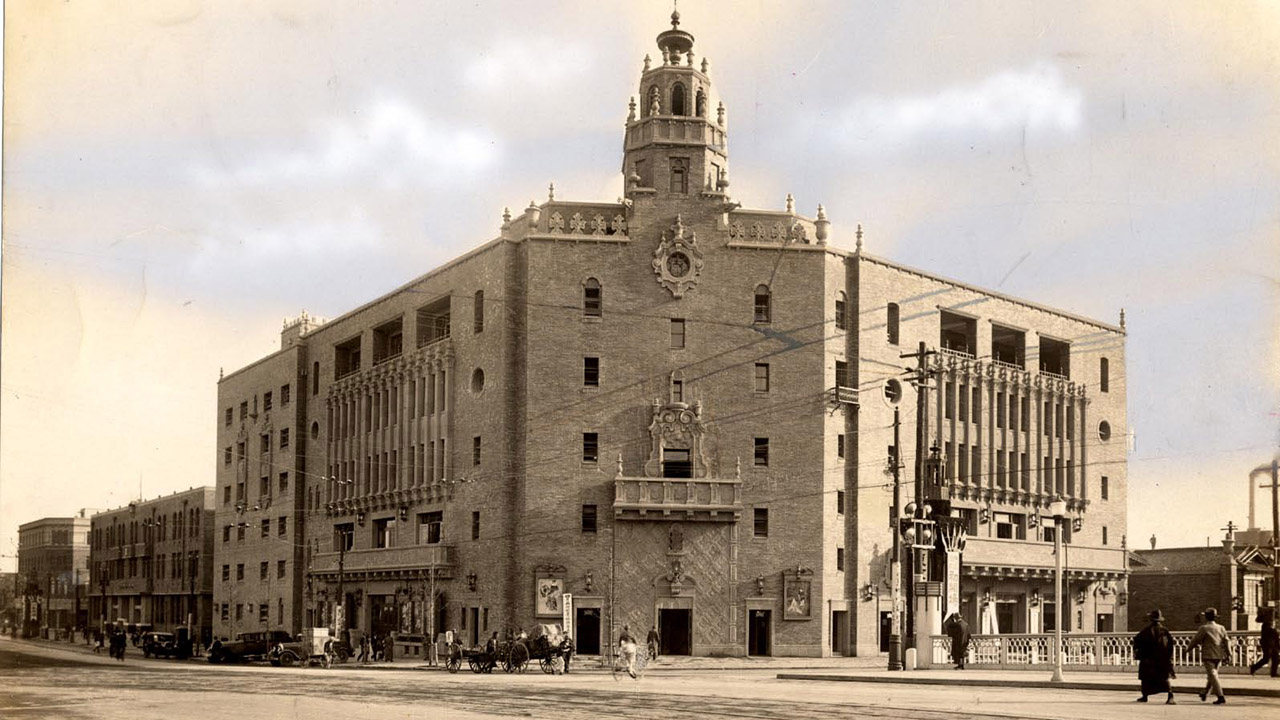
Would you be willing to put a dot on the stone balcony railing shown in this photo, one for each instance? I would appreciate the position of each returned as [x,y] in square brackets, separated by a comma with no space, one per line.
[706,499]
[674,129]
[397,560]
[1111,652]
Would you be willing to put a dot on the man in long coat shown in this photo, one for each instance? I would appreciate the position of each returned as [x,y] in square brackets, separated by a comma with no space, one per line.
[1153,648]
[958,630]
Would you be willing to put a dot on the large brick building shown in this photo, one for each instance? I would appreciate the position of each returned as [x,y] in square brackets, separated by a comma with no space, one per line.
[652,405]
[152,563]
[53,567]
[1235,578]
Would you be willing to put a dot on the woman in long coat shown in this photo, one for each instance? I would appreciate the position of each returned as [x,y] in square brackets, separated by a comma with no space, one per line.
[1153,648]
[958,630]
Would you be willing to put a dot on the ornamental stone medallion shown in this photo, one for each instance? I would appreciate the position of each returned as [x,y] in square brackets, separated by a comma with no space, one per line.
[677,261]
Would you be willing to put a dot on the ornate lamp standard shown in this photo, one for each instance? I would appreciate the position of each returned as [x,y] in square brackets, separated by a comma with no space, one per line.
[1058,508]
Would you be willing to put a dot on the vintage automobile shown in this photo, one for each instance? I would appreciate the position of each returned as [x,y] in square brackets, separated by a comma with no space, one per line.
[247,646]
[159,644]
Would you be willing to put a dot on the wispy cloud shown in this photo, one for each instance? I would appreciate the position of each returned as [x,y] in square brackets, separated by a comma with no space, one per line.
[392,141]
[516,65]
[1035,98]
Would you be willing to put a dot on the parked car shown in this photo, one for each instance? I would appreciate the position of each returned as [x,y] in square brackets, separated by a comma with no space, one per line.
[247,646]
[288,653]
[160,644]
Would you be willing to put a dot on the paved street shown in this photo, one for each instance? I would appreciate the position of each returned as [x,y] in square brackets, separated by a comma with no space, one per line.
[49,681]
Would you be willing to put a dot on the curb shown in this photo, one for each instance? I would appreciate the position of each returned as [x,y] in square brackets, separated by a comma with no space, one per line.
[1013,683]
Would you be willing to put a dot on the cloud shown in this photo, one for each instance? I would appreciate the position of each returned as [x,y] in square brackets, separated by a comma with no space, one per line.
[392,141]
[1036,99]
[520,65]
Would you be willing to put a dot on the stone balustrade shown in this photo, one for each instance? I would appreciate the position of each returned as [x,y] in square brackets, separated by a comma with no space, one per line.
[706,499]
[411,558]
[1109,652]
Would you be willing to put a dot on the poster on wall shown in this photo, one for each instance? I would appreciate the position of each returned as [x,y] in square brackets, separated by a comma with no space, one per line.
[797,600]
[567,622]
[547,602]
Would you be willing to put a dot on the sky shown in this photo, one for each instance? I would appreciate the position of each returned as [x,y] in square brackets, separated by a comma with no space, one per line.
[179,176]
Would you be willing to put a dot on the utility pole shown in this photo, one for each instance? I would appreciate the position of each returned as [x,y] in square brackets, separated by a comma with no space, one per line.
[895,564]
[921,382]
[1275,532]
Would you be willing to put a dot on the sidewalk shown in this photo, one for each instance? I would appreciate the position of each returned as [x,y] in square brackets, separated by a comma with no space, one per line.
[1186,686]
[674,664]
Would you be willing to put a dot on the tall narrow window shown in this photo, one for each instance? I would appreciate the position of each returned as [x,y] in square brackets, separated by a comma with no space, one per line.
[590,447]
[891,326]
[840,559]
[475,524]
[1104,379]
[762,377]
[677,333]
[677,391]
[315,378]
[475,451]
[680,175]
[479,311]
[1105,487]
[588,518]
[591,372]
[977,405]
[842,374]
[677,100]
[761,522]
[949,405]
[841,310]
[1104,534]
[762,452]
[763,305]
[840,445]
[592,301]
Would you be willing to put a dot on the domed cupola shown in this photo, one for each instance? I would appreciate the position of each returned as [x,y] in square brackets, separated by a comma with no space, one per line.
[676,143]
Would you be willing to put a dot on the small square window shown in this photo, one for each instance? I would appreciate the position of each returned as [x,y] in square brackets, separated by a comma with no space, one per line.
[762,377]
[591,372]
[588,518]
[762,452]
[761,527]
[590,447]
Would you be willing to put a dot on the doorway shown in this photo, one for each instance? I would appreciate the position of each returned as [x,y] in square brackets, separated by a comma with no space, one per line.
[586,627]
[840,632]
[758,632]
[474,620]
[384,617]
[886,628]
[675,628]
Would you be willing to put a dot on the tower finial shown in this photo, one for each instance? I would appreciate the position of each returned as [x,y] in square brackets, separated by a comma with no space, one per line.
[791,203]
[675,15]
[858,235]
[1122,318]
[551,192]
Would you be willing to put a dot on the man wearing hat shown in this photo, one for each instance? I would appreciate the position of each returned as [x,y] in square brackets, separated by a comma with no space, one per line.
[1153,648]
[1211,638]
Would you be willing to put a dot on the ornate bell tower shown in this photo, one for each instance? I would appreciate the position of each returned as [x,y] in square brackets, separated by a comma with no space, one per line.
[675,141]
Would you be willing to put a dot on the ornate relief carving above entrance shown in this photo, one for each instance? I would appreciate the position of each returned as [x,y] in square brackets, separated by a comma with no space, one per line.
[677,261]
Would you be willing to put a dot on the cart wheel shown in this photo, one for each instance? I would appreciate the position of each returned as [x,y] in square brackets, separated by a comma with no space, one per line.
[475,665]
[453,662]
[517,659]
[547,664]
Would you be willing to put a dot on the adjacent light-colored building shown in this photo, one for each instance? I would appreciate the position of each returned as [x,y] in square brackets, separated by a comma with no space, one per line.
[53,562]
[668,409]
[152,563]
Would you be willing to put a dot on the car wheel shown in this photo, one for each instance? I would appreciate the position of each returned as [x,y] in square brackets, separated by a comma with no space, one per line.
[288,659]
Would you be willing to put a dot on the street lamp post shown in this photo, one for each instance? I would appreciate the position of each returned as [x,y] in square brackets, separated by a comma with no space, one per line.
[1059,510]
[895,564]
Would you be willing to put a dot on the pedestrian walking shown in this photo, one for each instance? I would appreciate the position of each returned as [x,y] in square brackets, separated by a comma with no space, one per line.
[1211,638]
[627,650]
[653,641]
[365,649]
[1270,645]
[958,630]
[1153,648]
